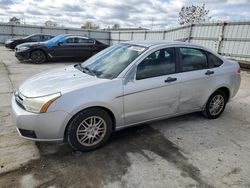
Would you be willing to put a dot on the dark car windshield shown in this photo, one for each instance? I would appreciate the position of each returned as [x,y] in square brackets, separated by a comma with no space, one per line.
[56,39]
[52,42]
[29,36]
[110,62]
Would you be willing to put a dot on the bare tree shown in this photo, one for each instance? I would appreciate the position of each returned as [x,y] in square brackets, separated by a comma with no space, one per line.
[89,25]
[14,20]
[116,26]
[193,14]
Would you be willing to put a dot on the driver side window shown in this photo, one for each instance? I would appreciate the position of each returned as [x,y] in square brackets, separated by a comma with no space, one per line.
[159,63]
[70,40]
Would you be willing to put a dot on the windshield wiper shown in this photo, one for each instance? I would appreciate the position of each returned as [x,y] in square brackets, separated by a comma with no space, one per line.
[87,70]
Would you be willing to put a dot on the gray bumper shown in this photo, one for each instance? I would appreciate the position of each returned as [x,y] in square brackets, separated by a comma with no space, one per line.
[47,126]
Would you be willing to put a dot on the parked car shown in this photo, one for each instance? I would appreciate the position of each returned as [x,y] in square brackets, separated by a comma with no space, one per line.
[12,43]
[122,86]
[61,46]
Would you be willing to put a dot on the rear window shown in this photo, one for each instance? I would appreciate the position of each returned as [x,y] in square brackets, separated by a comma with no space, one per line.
[215,61]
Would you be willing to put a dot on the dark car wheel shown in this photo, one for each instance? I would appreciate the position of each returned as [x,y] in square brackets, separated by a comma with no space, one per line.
[215,105]
[38,56]
[89,129]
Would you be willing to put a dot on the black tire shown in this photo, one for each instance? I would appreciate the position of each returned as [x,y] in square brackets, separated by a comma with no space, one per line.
[76,125]
[208,112]
[38,56]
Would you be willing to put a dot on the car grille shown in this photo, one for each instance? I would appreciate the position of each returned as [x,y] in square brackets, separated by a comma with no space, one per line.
[19,99]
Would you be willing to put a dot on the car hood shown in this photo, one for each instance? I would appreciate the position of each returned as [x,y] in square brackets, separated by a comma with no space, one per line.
[29,44]
[58,80]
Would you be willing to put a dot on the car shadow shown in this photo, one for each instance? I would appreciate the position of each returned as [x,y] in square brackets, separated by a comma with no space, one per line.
[60,165]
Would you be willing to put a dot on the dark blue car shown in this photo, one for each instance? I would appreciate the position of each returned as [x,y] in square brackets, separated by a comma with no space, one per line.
[61,46]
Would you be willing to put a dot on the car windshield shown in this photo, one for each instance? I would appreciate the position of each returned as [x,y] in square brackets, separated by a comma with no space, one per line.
[28,36]
[56,39]
[110,62]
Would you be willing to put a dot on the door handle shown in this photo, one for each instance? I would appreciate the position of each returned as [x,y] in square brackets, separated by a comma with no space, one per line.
[209,72]
[170,79]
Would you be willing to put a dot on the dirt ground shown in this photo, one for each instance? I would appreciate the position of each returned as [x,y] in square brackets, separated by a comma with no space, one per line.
[187,151]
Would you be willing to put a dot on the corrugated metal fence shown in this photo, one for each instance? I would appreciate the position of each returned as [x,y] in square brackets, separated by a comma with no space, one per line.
[10,31]
[230,39]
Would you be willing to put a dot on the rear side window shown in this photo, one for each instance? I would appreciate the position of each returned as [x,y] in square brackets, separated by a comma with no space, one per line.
[192,59]
[215,61]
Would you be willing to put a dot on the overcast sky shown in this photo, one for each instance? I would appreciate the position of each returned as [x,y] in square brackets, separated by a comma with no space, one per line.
[127,13]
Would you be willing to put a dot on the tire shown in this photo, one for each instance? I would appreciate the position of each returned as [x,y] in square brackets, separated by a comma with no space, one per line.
[84,137]
[38,56]
[214,112]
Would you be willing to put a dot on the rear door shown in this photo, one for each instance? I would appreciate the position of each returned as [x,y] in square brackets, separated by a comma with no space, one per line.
[154,93]
[84,47]
[196,79]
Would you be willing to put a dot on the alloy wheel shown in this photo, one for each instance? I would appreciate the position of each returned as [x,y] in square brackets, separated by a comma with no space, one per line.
[91,131]
[216,105]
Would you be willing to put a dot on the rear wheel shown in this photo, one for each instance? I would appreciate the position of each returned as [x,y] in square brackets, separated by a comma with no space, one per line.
[89,129]
[215,105]
[38,56]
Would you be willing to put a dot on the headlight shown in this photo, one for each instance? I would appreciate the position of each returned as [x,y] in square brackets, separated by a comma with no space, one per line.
[23,48]
[39,104]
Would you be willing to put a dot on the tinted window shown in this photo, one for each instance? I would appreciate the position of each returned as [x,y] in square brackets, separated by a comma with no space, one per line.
[46,37]
[161,62]
[215,61]
[192,59]
[70,40]
[84,41]
[35,38]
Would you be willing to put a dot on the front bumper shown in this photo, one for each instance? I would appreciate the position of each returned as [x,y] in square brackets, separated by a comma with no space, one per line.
[48,126]
[7,45]
[22,55]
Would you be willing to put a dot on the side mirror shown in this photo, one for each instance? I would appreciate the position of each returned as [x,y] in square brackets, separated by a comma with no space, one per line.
[60,43]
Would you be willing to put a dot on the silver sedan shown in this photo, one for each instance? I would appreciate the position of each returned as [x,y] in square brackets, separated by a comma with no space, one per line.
[124,85]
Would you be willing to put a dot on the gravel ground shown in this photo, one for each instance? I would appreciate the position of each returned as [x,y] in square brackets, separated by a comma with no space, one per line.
[187,151]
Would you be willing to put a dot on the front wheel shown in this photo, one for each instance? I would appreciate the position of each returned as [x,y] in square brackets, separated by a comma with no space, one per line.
[89,129]
[38,56]
[215,105]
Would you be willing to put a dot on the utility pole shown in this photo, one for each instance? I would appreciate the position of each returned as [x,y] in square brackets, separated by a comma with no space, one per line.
[152,23]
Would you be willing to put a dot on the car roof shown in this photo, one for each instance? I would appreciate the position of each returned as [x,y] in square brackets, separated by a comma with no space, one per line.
[148,43]
[41,34]
[74,35]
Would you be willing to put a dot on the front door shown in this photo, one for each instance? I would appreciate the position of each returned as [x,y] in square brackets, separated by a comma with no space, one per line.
[64,48]
[154,92]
